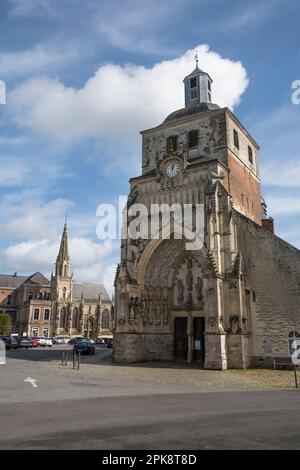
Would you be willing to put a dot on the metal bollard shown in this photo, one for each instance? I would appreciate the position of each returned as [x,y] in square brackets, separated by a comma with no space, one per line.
[76,360]
[65,358]
[295,374]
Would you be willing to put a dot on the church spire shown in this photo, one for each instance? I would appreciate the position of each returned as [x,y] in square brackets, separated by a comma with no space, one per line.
[63,259]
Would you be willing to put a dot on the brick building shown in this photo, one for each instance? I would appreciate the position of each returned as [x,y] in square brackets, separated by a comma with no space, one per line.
[232,303]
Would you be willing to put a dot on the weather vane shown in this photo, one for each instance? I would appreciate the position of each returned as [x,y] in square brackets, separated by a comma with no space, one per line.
[196,59]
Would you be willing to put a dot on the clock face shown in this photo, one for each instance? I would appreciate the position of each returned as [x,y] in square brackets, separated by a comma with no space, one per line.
[173,169]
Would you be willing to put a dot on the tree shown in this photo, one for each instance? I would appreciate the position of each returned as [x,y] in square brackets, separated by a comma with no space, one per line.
[5,324]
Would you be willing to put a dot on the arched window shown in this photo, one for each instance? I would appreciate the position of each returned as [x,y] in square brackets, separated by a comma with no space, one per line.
[63,318]
[64,293]
[105,320]
[76,318]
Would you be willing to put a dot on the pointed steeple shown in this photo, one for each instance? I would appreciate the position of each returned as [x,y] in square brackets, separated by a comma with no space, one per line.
[63,259]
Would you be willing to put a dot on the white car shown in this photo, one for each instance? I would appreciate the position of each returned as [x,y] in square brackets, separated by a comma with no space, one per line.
[43,341]
[59,340]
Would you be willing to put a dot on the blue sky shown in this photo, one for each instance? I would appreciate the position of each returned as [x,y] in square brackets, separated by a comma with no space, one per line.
[84,77]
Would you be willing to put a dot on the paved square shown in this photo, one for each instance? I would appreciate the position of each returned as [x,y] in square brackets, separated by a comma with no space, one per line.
[156,406]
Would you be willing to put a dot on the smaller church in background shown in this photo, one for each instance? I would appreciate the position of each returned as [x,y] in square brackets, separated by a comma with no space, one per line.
[60,307]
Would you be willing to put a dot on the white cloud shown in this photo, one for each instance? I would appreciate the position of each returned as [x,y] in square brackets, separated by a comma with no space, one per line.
[29,7]
[118,101]
[285,175]
[33,219]
[12,172]
[283,206]
[88,258]
[134,25]
[37,60]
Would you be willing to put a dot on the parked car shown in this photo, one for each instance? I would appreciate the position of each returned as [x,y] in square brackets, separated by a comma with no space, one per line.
[100,341]
[93,341]
[10,343]
[25,342]
[84,346]
[110,343]
[59,340]
[73,340]
[35,342]
[40,340]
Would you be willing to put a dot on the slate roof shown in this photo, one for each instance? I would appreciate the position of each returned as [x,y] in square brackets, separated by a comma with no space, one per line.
[11,281]
[185,112]
[89,291]
[38,278]
[14,281]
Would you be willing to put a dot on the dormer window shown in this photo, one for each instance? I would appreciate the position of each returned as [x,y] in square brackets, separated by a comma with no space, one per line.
[172,143]
[193,139]
[250,155]
[236,139]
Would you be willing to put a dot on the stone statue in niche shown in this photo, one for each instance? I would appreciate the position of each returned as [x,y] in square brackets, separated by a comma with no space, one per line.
[132,308]
[234,324]
[211,322]
[157,312]
[199,289]
[165,313]
[189,282]
[150,311]
[189,277]
[244,325]
[180,291]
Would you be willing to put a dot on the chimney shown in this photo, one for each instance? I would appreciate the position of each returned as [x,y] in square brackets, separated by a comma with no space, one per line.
[268,224]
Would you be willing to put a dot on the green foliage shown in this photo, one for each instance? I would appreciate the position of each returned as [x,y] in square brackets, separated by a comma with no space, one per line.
[5,324]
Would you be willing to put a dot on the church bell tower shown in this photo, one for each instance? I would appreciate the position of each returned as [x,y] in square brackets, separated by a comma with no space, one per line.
[175,303]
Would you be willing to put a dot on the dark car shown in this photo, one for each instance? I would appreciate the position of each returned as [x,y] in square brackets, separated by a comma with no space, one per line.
[26,343]
[10,343]
[74,340]
[84,346]
[110,343]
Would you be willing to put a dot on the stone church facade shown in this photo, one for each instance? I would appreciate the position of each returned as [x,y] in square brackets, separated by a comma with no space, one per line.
[236,301]
[77,309]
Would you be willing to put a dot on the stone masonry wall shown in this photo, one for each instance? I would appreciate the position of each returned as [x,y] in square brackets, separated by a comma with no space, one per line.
[131,347]
[272,269]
